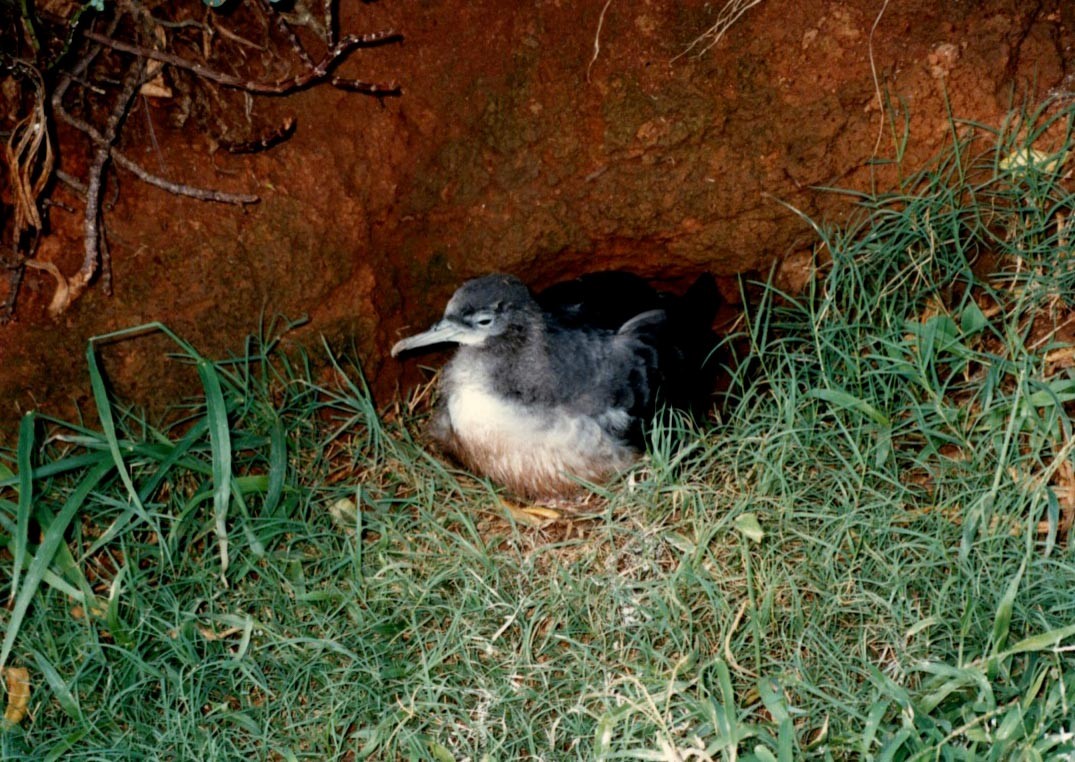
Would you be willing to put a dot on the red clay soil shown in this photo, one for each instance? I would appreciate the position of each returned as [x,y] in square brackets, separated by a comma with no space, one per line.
[524,141]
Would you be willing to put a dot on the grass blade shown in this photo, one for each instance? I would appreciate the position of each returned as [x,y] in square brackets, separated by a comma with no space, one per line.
[216,412]
[108,427]
[841,399]
[46,550]
[26,486]
[1043,641]
[277,465]
[1003,619]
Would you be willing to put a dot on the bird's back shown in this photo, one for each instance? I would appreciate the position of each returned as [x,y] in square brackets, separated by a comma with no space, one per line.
[610,375]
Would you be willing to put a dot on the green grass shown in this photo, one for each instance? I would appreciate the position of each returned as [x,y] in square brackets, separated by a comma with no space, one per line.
[870,555]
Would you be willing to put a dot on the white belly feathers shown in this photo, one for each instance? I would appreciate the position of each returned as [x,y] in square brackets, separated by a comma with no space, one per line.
[534,451]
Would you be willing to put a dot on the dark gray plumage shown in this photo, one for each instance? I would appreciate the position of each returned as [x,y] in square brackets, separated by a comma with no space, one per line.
[538,398]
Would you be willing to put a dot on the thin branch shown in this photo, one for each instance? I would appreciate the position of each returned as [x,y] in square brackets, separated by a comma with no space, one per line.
[331,32]
[69,289]
[105,269]
[316,74]
[296,44]
[190,191]
[121,160]
[14,281]
[73,182]
[274,137]
[92,234]
[84,63]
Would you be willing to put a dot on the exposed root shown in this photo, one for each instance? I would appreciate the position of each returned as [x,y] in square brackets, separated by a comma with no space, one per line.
[732,11]
[143,49]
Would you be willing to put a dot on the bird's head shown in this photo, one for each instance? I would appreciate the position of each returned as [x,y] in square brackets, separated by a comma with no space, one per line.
[480,310]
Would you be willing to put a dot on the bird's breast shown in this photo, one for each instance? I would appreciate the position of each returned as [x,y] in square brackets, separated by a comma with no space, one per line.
[535,450]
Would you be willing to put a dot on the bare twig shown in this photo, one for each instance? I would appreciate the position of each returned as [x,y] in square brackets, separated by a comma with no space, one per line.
[263,143]
[69,289]
[318,73]
[14,280]
[190,191]
[331,33]
[91,225]
[83,64]
[105,268]
[72,182]
[296,44]
[201,194]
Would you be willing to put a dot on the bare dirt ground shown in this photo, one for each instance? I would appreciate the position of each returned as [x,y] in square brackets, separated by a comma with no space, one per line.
[545,139]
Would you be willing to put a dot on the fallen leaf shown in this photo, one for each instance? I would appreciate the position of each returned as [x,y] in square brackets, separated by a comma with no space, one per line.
[18,695]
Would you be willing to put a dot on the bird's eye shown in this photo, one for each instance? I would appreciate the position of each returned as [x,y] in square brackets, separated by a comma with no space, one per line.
[483,321]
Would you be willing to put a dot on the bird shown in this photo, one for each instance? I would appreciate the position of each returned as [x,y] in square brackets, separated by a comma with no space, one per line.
[547,391]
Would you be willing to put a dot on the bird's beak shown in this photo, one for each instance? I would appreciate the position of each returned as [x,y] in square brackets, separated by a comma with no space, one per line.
[444,332]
